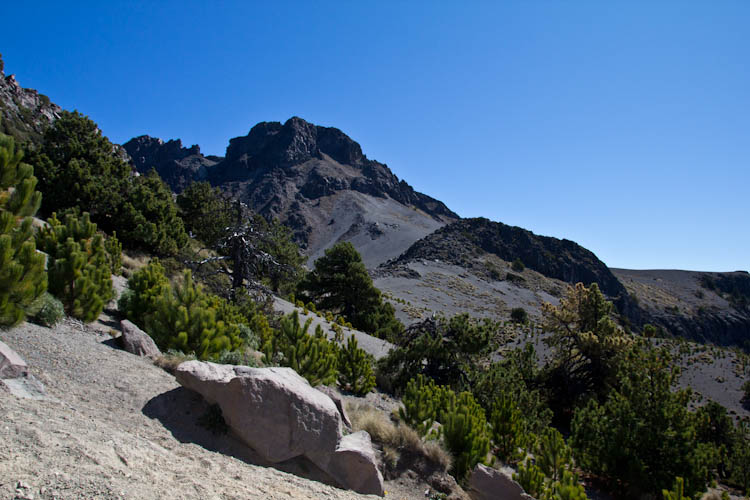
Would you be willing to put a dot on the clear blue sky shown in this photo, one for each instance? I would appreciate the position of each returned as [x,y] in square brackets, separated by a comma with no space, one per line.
[624,126]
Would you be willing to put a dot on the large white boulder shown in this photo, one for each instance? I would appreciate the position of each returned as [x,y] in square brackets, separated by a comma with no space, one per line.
[280,416]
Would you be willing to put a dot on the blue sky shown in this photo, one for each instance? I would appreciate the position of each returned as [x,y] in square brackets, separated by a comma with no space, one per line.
[624,126]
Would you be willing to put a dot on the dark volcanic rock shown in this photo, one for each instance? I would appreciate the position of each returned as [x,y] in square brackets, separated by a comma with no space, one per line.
[24,113]
[273,147]
[460,242]
[176,165]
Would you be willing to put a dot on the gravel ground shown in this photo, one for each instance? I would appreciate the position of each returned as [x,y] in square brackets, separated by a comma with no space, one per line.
[116,426]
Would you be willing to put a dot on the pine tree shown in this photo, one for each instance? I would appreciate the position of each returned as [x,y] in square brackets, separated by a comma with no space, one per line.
[465,433]
[22,276]
[355,369]
[314,357]
[423,402]
[144,288]
[531,478]
[188,320]
[552,454]
[78,267]
[508,428]
[677,492]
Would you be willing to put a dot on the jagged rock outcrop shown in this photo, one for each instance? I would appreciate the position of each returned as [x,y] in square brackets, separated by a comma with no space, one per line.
[176,165]
[462,241]
[280,416]
[24,113]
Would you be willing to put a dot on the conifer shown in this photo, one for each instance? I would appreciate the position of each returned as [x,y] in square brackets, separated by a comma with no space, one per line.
[145,286]
[79,265]
[355,369]
[22,276]
[188,320]
[465,433]
[314,357]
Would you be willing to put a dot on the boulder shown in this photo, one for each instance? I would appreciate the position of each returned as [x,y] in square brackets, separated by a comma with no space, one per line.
[136,341]
[280,416]
[354,464]
[11,364]
[487,483]
[338,401]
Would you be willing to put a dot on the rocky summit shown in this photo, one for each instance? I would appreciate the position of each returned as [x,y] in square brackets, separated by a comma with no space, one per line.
[24,113]
[314,179]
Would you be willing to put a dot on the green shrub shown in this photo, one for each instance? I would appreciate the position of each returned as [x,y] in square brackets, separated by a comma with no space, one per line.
[80,169]
[340,283]
[677,492]
[312,356]
[144,288]
[518,265]
[188,320]
[519,315]
[465,433]
[422,404]
[79,266]
[355,369]
[46,310]
[508,429]
[531,478]
[22,276]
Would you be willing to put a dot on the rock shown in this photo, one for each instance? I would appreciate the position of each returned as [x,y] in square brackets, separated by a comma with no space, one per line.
[11,364]
[336,398]
[280,416]
[136,341]
[487,483]
[273,410]
[354,464]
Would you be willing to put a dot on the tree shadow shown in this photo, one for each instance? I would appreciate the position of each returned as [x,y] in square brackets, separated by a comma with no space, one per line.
[182,412]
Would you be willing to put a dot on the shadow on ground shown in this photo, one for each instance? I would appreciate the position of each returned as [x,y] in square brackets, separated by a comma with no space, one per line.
[186,414]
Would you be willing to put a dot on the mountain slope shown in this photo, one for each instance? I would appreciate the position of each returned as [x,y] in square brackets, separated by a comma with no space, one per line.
[702,306]
[314,179]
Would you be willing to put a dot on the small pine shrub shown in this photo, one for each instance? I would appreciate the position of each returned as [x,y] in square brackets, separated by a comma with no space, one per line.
[145,286]
[312,356]
[518,265]
[46,311]
[79,266]
[519,315]
[114,254]
[422,404]
[531,478]
[508,429]
[187,319]
[552,454]
[465,433]
[356,374]
[22,276]
[677,491]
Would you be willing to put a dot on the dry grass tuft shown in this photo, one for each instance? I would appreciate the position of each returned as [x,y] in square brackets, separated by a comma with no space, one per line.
[171,360]
[395,438]
[131,262]
[435,453]
[711,495]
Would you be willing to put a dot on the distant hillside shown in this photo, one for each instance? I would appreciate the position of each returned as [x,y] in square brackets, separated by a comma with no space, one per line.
[462,241]
[314,179]
[706,307]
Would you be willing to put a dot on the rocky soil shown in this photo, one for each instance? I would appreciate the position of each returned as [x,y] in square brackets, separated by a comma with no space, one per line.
[115,426]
